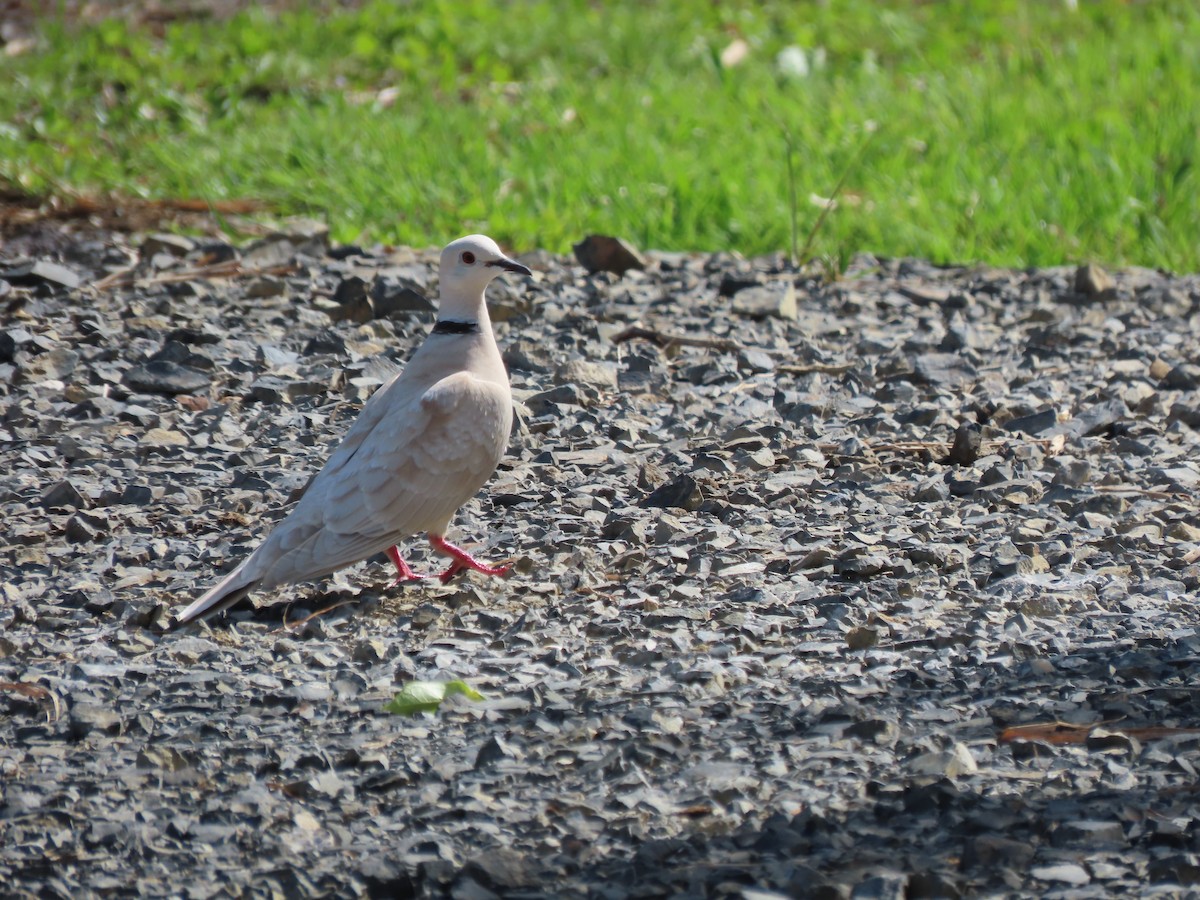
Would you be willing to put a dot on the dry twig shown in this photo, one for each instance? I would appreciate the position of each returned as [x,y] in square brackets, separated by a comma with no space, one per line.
[825,368]
[292,626]
[35,692]
[666,339]
[1067,733]
[227,269]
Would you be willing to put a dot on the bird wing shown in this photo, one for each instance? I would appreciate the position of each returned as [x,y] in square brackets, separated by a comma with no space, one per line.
[405,466]
[249,574]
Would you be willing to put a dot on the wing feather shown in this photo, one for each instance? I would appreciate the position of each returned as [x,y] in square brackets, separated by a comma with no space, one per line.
[403,468]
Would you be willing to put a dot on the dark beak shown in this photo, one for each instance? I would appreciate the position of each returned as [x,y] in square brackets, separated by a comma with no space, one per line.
[510,265]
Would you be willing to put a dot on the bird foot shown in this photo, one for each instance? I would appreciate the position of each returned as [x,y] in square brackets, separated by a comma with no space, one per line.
[462,560]
[403,572]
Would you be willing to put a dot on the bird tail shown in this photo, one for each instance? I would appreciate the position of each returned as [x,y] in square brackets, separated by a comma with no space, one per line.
[228,591]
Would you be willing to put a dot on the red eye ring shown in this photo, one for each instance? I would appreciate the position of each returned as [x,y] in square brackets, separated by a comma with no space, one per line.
[468,258]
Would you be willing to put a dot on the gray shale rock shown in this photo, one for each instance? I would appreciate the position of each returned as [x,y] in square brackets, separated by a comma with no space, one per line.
[601,253]
[793,602]
[161,376]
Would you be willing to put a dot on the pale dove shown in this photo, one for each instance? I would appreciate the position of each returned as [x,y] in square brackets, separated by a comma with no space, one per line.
[421,447]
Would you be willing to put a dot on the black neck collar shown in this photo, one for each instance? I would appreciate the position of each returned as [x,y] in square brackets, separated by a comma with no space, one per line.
[448,326]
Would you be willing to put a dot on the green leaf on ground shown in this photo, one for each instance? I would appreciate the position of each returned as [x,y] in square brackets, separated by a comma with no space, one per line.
[426,696]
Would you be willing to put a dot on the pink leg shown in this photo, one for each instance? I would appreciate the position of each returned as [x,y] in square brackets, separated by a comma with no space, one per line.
[403,572]
[462,560]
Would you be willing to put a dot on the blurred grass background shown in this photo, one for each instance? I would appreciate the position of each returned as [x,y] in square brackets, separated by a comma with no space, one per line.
[1014,132]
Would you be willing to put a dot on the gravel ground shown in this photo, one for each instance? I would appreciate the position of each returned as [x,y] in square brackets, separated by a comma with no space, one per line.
[882,588]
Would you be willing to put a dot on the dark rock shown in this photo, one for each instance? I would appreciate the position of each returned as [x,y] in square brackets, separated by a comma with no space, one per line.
[206,333]
[11,340]
[493,751]
[467,888]
[924,294]
[503,868]
[881,731]
[860,562]
[1179,868]
[271,357]
[54,364]
[965,450]
[1089,833]
[890,886]
[586,372]
[731,283]
[1099,418]
[1035,423]
[269,389]
[164,242]
[137,495]
[680,493]
[164,377]
[1188,415]
[87,718]
[345,251]
[64,495]
[41,272]
[526,357]
[932,885]
[756,361]
[1182,378]
[946,370]
[385,878]
[298,237]
[395,296]
[990,851]
[209,252]
[1093,281]
[263,286]
[601,253]
[326,341]
[353,301]
[178,352]
[85,527]
[777,300]
[1102,740]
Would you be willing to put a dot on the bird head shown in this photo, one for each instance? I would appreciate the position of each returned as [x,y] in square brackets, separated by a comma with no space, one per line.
[468,266]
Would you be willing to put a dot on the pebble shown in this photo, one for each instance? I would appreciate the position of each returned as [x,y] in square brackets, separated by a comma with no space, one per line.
[1070,873]
[391,295]
[603,253]
[41,272]
[758,302]
[1092,281]
[165,377]
[164,242]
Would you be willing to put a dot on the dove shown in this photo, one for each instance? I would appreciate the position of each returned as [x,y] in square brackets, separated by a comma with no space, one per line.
[421,447]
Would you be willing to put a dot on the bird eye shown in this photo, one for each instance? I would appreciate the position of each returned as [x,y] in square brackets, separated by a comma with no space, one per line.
[468,258]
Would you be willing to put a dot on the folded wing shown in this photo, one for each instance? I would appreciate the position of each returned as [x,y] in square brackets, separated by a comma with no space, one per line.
[404,467]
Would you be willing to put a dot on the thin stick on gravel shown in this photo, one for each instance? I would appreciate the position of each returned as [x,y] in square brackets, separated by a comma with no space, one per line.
[666,339]
[228,269]
[1069,733]
[823,368]
[292,626]
[35,692]
[1153,493]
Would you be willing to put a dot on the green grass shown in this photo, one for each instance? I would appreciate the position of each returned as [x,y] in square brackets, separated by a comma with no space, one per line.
[1016,133]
